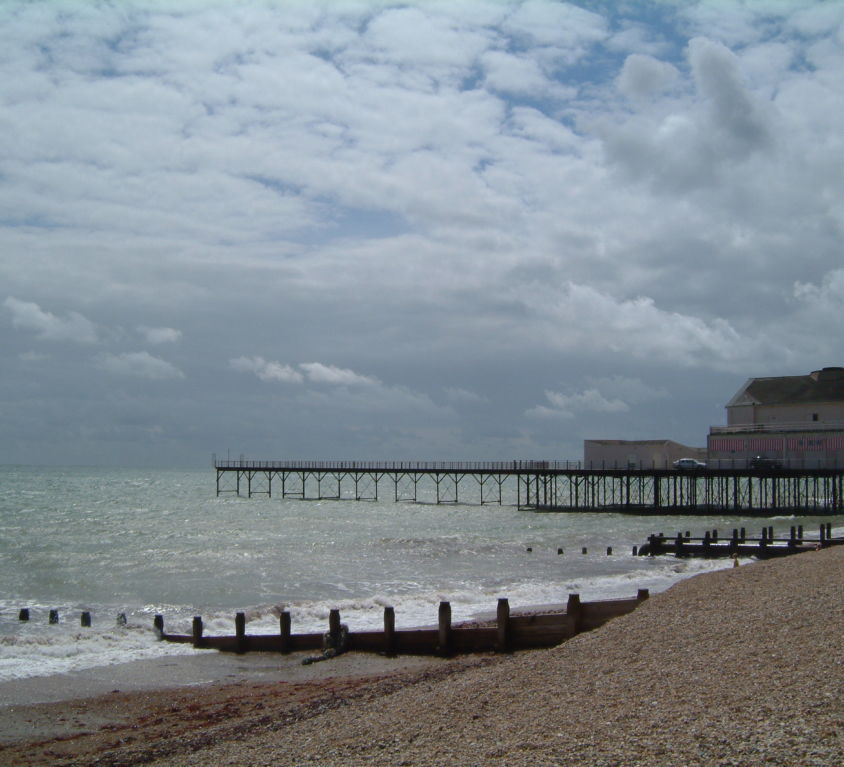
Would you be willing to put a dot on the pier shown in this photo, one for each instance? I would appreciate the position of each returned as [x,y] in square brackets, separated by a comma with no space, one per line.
[543,485]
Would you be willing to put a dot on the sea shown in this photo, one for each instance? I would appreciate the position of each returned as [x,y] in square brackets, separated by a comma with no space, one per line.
[126,544]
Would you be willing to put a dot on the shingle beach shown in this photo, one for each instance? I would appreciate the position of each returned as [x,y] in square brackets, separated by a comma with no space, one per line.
[743,666]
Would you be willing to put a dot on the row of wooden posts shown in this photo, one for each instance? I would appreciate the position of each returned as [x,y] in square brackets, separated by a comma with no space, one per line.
[738,544]
[509,631]
[53,617]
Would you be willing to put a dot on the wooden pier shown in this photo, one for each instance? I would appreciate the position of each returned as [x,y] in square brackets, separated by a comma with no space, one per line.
[766,546]
[509,632]
[544,485]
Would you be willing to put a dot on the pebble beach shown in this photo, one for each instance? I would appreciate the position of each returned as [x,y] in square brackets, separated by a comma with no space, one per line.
[742,666]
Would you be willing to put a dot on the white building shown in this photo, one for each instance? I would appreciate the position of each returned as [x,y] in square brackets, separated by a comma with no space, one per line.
[797,421]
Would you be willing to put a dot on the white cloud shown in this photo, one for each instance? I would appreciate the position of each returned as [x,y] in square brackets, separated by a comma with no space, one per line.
[459,396]
[157,336]
[330,374]
[140,365]
[572,405]
[643,76]
[27,315]
[266,370]
[632,391]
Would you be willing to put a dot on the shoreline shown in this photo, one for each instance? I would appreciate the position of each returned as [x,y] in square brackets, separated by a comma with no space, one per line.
[733,667]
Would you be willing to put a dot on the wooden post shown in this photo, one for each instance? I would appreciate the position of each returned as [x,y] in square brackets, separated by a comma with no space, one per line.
[800,532]
[609,551]
[743,535]
[642,594]
[635,551]
[158,626]
[444,629]
[573,611]
[559,552]
[85,619]
[54,616]
[503,625]
[23,615]
[334,627]
[284,631]
[196,630]
[240,631]
[389,631]
[583,550]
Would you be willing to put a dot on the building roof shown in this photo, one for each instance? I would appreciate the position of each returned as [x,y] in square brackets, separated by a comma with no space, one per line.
[826,385]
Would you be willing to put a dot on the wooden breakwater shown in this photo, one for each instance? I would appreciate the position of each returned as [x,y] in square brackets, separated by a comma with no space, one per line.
[507,633]
[737,544]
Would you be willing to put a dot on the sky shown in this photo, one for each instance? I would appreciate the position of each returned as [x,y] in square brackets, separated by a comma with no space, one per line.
[439,230]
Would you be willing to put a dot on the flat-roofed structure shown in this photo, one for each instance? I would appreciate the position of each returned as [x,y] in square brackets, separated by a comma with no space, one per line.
[636,454]
[792,421]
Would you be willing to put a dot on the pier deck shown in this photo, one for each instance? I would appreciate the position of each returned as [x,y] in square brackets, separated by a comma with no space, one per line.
[543,485]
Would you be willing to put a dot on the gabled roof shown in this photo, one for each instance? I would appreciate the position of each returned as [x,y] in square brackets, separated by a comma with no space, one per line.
[825,385]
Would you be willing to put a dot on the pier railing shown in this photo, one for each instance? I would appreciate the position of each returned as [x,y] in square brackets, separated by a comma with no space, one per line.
[421,466]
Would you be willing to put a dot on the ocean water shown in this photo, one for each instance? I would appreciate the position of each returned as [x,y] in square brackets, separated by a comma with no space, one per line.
[141,542]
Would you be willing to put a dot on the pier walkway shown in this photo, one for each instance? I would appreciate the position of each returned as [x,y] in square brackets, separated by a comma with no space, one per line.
[543,485]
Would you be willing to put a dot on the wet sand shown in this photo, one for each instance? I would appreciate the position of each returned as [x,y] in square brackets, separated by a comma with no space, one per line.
[738,667]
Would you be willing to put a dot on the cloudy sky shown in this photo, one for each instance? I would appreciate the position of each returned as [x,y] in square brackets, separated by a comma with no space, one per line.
[409,230]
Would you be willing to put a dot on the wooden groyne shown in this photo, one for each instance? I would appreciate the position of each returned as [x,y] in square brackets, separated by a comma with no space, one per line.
[737,544]
[507,633]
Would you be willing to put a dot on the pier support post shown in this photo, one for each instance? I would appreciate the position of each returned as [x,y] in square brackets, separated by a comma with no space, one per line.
[196,631]
[444,629]
[503,624]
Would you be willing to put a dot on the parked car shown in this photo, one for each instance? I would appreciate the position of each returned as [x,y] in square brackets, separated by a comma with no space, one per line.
[761,462]
[689,463]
